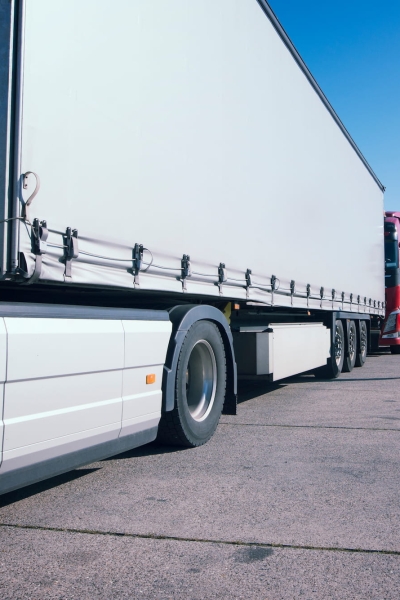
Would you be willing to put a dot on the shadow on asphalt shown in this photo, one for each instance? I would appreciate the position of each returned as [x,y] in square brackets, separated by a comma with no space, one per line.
[249,389]
[151,449]
[362,379]
[43,486]
[339,380]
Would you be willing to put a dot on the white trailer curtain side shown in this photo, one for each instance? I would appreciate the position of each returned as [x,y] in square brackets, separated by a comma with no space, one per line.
[191,129]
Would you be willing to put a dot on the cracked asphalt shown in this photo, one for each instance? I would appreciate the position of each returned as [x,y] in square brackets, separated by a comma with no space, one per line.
[295,497]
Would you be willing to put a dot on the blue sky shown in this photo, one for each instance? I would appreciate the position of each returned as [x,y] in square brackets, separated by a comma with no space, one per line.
[352,47]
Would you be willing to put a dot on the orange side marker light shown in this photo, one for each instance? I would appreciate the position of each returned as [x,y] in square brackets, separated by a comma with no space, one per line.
[151,378]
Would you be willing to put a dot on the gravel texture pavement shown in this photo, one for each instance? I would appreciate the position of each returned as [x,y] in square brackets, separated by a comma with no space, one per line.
[295,497]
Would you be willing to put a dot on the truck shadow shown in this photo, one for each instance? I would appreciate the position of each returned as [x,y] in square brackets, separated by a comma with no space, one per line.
[151,449]
[248,389]
[362,379]
[252,388]
[43,486]
[342,379]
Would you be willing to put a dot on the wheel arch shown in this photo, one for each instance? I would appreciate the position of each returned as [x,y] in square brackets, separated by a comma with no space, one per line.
[182,318]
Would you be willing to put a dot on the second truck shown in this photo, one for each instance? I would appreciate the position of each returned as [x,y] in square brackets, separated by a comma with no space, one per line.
[390,330]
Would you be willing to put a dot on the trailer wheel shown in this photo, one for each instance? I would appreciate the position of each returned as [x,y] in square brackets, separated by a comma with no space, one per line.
[361,355]
[199,388]
[351,348]
[334,364]
[395,349]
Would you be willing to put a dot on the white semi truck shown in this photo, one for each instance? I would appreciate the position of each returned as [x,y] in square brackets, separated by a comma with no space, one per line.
[180,206]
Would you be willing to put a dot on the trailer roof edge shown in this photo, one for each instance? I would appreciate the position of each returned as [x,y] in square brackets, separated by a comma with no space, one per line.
[290,46]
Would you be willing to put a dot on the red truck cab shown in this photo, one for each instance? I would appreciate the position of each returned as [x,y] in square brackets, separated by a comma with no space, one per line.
[390,332]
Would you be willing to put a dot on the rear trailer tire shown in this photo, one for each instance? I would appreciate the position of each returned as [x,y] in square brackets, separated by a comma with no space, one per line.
[395,349]
[199,388]
[362,348]
[351,348]
[334,364]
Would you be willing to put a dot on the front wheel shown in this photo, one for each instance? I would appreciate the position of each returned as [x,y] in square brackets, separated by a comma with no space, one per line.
[395,349]
[199,388]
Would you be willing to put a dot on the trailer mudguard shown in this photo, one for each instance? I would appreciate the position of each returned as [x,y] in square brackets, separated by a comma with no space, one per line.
[182,318]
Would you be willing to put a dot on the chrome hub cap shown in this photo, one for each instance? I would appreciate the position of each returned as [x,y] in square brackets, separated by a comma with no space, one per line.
[201,380]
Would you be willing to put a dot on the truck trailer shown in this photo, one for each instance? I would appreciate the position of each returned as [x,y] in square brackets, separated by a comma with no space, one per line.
[181,207]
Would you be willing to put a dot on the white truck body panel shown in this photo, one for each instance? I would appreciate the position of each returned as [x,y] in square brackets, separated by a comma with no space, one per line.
[81,404]
[283,349]
[190,128]
[146,343]
[41,347]
[298,348]
[73,383]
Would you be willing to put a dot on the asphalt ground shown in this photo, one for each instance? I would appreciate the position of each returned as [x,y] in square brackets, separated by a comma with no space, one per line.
[295,497]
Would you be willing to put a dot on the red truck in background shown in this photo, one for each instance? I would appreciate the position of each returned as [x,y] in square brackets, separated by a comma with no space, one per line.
[390,332]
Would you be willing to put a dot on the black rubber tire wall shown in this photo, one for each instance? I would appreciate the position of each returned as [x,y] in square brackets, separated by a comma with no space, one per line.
[177,427]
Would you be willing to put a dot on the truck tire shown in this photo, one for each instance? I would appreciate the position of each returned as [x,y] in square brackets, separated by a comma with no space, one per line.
[351,348]
[395,349]
[334,364]
[199,388]
[361,355]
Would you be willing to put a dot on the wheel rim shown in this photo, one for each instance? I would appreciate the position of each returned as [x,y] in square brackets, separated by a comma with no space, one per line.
[338,345]
[352,343]
[201,380]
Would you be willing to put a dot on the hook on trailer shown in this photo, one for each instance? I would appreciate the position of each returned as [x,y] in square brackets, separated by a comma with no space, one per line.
[292,290]
[137,259]
[32,196]
[71,249]
[308,293]
[248,282]
[186,270]
[221,277]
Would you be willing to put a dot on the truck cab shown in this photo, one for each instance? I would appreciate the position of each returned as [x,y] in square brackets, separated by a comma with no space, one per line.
[390,332]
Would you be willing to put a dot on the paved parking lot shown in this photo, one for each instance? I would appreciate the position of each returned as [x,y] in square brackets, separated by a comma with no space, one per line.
[295,497]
